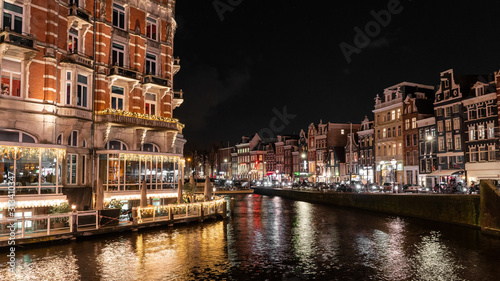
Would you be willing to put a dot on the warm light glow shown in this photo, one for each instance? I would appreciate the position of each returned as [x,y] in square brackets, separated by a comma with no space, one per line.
[138,196]
[34,203]
[140,115]
[73,207]
[429,138]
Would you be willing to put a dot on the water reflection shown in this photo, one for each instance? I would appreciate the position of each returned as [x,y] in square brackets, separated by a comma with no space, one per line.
[271,238]
[434,261]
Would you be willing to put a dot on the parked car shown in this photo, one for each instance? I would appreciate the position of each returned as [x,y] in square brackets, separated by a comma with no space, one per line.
[411,188]
[424,190]
[373,187]
[357,186]
[387,187]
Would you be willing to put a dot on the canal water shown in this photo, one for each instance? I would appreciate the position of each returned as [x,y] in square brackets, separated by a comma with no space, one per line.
[272,238]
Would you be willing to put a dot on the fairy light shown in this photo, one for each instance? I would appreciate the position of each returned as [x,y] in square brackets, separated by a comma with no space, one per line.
[34,203]
[140,115]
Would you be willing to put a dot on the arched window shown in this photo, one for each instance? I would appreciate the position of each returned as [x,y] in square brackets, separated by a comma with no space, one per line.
[150,147]
[15,136]
[116,145]
[84,143]
[73,139]
[59,139]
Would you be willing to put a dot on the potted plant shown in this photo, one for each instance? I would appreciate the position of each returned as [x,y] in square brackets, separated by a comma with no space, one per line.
[111,215]
[60,209]
[188,190]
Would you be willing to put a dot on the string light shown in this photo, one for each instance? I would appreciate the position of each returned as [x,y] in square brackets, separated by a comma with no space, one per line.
[34,203]
[140,115]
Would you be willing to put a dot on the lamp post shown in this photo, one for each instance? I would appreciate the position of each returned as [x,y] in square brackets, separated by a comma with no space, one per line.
[393,163]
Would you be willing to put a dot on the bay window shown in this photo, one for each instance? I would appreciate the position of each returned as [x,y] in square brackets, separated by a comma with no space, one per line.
[82,89]
[150,106]
[150,64]
[117,54]
[117,95]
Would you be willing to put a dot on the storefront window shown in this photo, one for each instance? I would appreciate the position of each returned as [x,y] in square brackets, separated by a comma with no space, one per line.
[27,171]
[6,174]
[132,174]
[113,172]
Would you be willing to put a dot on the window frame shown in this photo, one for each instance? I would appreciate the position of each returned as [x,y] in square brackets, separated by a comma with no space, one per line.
[121,16]
[82,97]
[118,97]
[152,22]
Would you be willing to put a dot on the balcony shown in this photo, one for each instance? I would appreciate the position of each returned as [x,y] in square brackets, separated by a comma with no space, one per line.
[158,81]
[17,45]
[124,72]
[78,58]
[176,66]
[178,98]
[78,15]
[126,118]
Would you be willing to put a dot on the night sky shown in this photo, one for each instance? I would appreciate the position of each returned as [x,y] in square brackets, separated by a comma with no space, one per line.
[267,55]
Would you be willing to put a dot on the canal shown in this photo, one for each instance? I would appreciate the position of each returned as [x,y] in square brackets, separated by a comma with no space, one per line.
[272,238]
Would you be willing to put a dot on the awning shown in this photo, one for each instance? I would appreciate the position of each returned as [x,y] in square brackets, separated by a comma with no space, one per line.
[444,173]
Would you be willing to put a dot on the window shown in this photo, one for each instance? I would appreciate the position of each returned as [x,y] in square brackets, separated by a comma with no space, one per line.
[74,2]
[399,113]
[408,158]
[150,64]
[407,140]
[479,91]
[439,112]
[447,112]
[456,123]
[473,154]
[342,131]
[483,154]
[68,87]
[384,133]
[414,123]
[118,54]
[13,17]
[150,106]
[117,94]
[72,161]
[447,94]
[81,94]
[73,40]
[415,139]
[378,134]
[458,142]
[440,126]
[150,147]
[442,160]
[456,108]
[407,124]
[415,157]
[481,112]
[472,133]
[116,145]
[449,142]
[388,118]
[393,115]
[491,153]
[15,136]
[84,162]
[448,125]
[491,130]
[151,28]
[472,113]
[446,83]
[491,110]
[118,16]
[441,144]
[73,139]
[59,139]
[11,78]
[389,133]
[481,133]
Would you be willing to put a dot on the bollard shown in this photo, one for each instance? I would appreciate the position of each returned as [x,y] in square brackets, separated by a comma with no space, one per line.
[170,214]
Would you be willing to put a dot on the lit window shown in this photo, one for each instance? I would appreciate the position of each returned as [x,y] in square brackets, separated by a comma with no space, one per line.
[151,28]
[472,133]
[342,131]
[414,123]
[150,106]
[481,133]
[81,94]
[394,114]
[491,153]
[12,17]
[73,40]
[456,123]
[458,142]
[117,94]
[11,78]
[491,131]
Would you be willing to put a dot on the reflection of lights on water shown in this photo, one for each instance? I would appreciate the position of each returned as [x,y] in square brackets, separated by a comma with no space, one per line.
[56,268]
[117,261]
[434,261]
[304,233]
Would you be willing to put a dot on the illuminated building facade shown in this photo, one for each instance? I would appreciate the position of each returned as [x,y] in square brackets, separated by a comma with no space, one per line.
[87,97]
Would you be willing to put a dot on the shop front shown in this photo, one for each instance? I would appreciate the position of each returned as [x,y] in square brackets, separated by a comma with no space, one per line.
[123,172]
[31,177]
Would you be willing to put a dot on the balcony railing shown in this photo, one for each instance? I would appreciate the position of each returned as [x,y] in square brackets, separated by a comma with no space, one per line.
[157,80]
[79,58]
[138,119]
[18,39]
[178,94]
[177,65]
[74,10]
[124,71]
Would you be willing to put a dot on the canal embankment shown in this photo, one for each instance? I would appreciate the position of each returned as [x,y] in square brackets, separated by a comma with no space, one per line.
[478,211]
